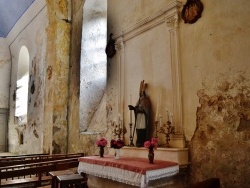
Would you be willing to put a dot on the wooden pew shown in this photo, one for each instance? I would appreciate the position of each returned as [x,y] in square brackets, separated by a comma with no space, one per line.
[11,161]
[22,155]
[34,173]
[64,168]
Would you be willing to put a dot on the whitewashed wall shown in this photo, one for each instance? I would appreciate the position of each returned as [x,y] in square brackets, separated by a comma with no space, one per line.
[32,34]
[5,66]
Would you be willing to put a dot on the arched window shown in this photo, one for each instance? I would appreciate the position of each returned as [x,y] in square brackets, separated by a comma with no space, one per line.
[22,86]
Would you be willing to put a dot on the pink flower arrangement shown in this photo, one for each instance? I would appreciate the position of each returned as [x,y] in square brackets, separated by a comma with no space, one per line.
[116,144]
[102,142]
[153,144]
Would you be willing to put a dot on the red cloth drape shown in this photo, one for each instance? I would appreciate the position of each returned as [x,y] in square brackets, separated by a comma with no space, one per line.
[138,165]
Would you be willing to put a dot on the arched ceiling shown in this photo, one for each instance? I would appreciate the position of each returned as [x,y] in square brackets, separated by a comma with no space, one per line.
[10,12]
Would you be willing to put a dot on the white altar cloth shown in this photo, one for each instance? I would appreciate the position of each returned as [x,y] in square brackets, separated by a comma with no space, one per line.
[132,171]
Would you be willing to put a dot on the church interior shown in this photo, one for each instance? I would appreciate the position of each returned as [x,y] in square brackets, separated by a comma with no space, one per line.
[174,71]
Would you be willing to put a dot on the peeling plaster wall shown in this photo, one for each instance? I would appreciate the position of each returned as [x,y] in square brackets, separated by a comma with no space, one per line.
[5,66]
[215,71]
[33,36]
[221,143]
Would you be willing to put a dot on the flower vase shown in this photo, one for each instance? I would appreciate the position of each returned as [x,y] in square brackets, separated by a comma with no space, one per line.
[117,154]
[101,152]
[151,156]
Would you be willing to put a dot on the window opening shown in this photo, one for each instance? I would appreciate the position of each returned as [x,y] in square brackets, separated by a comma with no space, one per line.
[93,68]
[22,86]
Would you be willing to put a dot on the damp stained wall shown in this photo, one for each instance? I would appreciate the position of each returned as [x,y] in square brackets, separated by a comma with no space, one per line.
[214,59]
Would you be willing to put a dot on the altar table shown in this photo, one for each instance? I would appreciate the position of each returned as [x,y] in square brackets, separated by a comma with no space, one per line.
[129,170]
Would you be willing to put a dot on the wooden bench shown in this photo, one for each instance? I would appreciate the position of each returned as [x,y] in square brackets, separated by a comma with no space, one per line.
[35,173]
[22,155]
[11,161]
[62,168]
[72,180]
[25,174]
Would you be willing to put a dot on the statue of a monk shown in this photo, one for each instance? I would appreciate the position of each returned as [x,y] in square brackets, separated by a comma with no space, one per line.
[142,116]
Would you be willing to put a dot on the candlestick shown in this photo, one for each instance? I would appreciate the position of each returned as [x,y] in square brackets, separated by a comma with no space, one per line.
[168,131]
[130,135]
[130,115]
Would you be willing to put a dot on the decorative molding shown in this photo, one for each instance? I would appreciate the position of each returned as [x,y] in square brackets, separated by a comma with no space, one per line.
[170,16]
[120,76]
[119,46]
[148,22]
[176,80]
[172,21]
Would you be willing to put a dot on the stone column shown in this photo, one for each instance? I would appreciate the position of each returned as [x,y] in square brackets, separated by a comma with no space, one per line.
[55,128]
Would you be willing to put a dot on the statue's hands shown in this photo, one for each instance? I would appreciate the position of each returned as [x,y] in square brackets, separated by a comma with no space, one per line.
[131,107]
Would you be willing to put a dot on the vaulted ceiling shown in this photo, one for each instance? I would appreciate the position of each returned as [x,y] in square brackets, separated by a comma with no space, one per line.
[10,12]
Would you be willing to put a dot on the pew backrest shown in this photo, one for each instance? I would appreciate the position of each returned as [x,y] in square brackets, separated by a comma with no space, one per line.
[10,161]
[35,170]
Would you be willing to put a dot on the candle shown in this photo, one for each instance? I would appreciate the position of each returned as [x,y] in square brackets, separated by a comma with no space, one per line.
[171,116]
[156,114]
[160,120]
[158,103]
[167,115]
[121,125]
[157,108]
[119,120]
[130,116]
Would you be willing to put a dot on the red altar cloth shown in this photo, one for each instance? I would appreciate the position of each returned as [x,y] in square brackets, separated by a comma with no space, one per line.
[138,165]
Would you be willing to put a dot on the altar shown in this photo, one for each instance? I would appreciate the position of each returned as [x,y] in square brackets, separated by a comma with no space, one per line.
[126,172]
